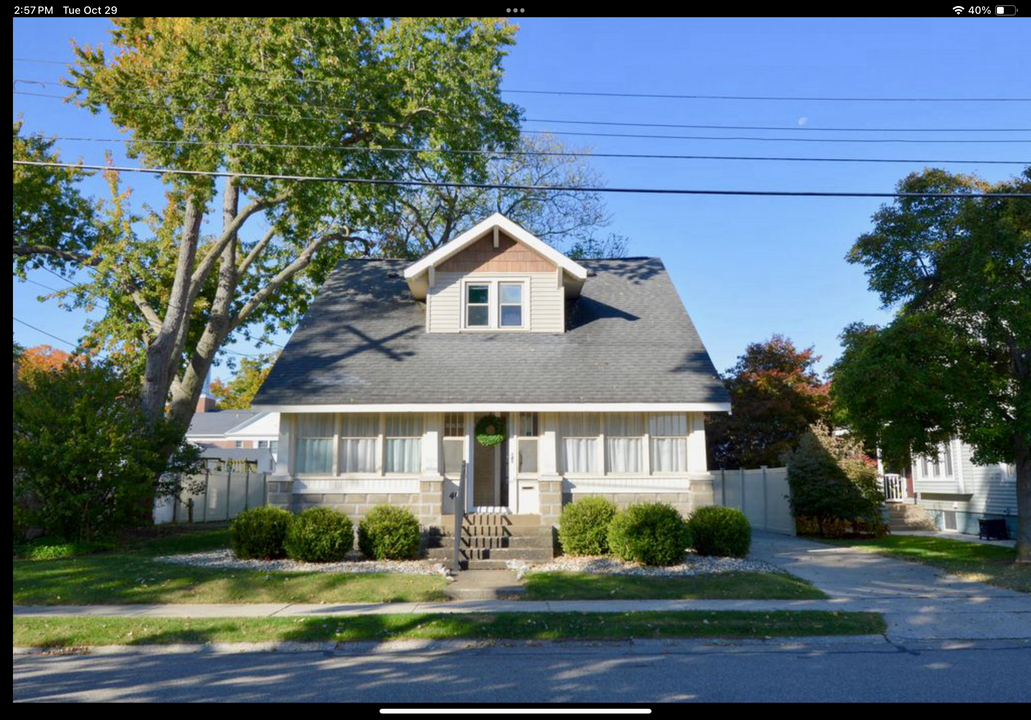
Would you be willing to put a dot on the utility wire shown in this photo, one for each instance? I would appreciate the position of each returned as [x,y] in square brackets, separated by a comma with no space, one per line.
[803,128]
[500,154]
[497,186]
[66,342]
[583,93]
[589,134]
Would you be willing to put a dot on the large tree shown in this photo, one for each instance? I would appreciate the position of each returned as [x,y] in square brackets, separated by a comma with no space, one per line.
[956,360]
[268,96]
[776,394]
[238,393]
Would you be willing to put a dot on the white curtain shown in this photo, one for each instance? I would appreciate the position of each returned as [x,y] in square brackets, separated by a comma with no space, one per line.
[580,454]
[669,455]
[403,455]
[315,443]
[623,454]
[315,456]
[358,455]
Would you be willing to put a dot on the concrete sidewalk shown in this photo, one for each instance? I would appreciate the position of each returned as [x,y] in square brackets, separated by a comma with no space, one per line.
[970,617]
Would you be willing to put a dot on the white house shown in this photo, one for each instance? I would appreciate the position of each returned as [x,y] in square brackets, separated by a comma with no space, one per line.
[591,370]
[956,493]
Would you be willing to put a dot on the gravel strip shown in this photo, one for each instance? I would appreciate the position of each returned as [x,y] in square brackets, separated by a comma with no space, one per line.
[692,565]
[225,559]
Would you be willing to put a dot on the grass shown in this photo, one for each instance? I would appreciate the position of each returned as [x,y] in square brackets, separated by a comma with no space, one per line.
[721,586]
[130,574]
[58,632]
[992,564]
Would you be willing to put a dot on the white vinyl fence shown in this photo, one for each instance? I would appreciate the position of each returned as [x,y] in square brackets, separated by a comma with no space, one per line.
[761,494]
[219,493]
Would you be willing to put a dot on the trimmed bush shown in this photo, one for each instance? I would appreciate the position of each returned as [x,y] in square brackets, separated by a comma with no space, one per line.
[260,533]
[584,526]
[720,531]
[389,532]
[319,534]
[649,533]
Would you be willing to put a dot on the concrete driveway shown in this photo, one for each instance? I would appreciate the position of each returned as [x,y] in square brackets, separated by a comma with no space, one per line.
[918,601]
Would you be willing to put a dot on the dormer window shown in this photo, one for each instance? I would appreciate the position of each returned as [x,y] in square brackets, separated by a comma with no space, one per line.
[495,304]
[511,304]
[477,305]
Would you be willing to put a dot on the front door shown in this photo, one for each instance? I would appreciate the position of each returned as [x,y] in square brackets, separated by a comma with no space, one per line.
[489,486]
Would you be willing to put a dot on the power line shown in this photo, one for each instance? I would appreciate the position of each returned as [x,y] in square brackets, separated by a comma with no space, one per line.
[668,96]
[565,121]
[596,134]
[66,342]
[497,186]
[500,154]
[585,93]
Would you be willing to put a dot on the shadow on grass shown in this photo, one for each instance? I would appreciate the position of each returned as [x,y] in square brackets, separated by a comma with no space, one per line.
[717,586]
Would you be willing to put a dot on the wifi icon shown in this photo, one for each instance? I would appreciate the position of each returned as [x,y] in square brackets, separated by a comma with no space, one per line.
[957,9]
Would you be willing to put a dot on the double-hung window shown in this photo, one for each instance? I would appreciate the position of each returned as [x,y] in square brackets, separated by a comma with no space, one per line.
[529,430]
[580,442]
[623,445]
[454,443]
[477,305]
[403,443]
[668,442]
[315,443]
[358,435]
[510,304]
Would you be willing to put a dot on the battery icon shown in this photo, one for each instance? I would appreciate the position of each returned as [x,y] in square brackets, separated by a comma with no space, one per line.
[1005,9]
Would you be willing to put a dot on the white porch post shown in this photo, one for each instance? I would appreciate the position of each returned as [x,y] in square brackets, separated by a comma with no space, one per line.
[699,478]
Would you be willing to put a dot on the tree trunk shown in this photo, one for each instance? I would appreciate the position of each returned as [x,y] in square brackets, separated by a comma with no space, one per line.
[1023,461]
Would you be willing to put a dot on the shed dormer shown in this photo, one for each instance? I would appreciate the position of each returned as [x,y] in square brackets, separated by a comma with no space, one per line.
[495,277]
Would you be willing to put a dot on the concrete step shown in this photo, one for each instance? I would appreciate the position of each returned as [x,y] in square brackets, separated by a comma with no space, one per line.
[909,517]
[484,584]
[497,531]
[492,541]
[498,519]
[500,554]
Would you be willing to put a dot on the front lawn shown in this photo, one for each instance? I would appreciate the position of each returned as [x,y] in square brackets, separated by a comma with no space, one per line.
[131,575]
[91,631]
[992,564]
[715,586]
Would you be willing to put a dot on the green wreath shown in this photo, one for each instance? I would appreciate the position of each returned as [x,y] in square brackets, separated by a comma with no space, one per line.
[490,430]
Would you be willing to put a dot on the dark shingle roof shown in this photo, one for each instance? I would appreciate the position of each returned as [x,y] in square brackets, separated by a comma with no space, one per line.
[363,341]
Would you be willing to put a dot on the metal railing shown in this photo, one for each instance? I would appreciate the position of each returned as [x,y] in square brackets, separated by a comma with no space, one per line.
[459,497]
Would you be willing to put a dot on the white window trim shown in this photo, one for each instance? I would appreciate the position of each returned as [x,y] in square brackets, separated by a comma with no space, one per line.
[494,304]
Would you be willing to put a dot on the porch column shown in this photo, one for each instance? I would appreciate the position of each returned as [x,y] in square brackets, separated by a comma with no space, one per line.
[429,504]
[550,482]
[280,481]
[699,478]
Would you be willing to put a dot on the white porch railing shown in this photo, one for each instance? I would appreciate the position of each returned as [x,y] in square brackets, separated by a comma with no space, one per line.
[894,487]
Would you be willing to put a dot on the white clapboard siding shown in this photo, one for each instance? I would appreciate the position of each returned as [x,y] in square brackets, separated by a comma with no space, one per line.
[545,305]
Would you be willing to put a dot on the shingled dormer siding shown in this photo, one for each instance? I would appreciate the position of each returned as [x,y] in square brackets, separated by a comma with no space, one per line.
[543,305]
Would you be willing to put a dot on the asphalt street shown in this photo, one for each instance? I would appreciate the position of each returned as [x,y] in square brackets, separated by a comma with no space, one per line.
[858,669]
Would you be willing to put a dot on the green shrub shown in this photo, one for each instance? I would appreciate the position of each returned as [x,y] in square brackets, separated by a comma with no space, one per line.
[319,535]
[584,526]
[834,485]
[649,533]
[720,531]
[260,533]
[389,532]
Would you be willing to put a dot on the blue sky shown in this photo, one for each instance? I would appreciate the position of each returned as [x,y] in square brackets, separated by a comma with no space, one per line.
[745,267]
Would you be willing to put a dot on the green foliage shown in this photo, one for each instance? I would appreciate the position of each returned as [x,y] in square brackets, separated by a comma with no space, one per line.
[53,548]
[720,531]
[956,360]
[87,462]
[389,532]
[238,393]
[490,430]
[319,535]
[584,526]
[649,533]
[776,394]
[260,533]
[832,481]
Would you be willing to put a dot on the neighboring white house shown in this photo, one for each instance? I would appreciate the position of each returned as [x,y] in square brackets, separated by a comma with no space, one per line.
[956,493]
[211,428]
[594,370]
